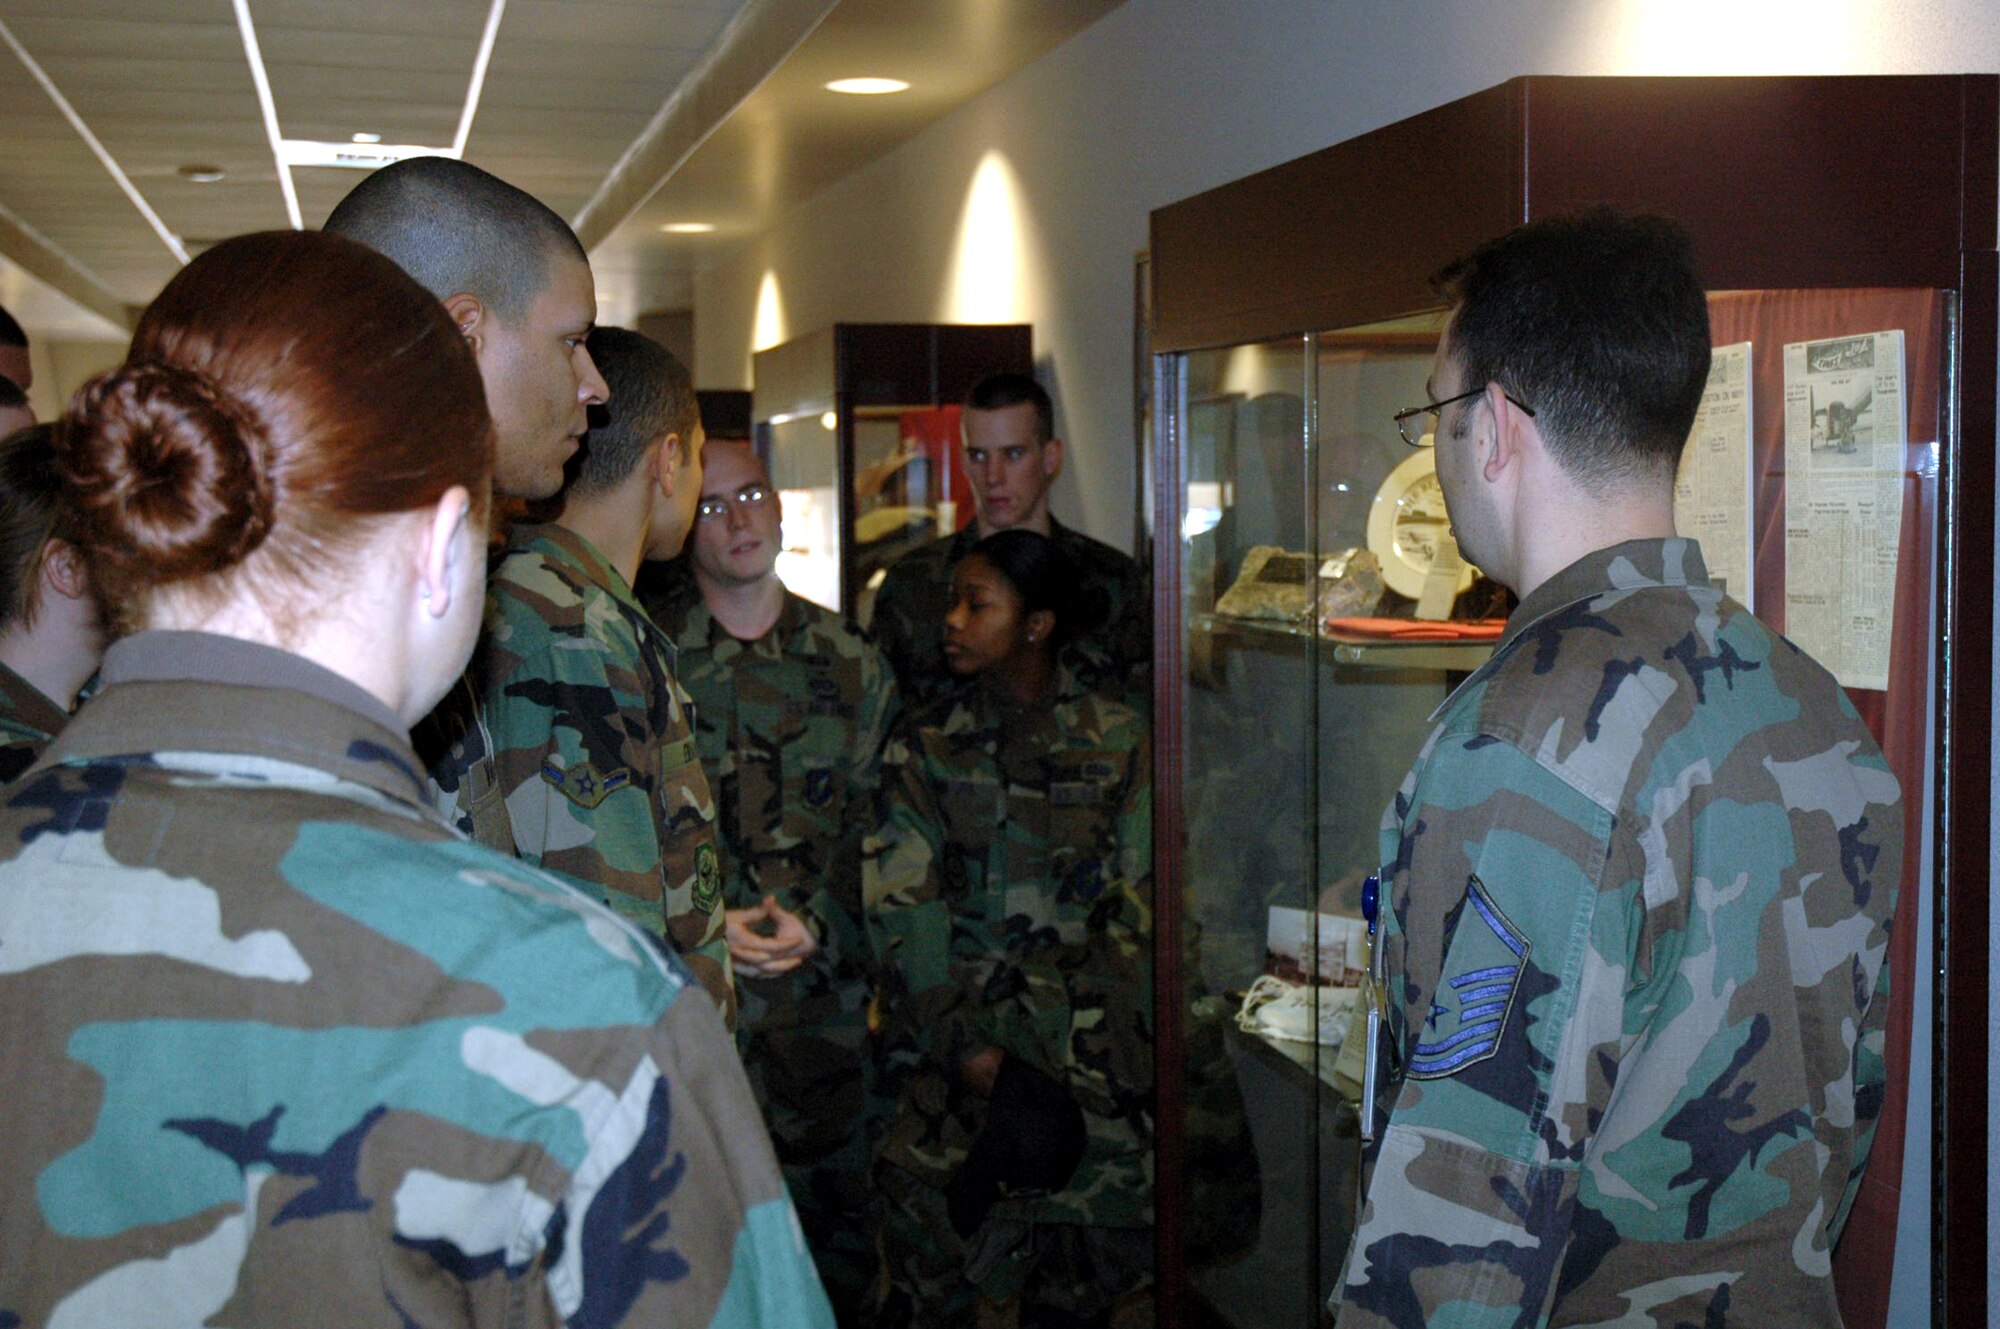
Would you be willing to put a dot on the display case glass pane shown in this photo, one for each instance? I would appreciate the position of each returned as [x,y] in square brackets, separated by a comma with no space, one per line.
[1295,740]
[803,453]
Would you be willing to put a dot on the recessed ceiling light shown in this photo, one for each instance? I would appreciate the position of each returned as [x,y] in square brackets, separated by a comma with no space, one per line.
[202,173]
[688,228]
[367,138]
[867,87]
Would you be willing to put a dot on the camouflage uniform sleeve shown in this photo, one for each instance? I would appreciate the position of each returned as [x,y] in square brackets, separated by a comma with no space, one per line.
[576,804]
[1521,896]
[1871,1084]
[1110,985]
[891,626]
[686,1195]
[909,923]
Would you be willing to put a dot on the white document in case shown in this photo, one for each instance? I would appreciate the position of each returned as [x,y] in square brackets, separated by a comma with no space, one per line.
[1713,487]
[1845,428]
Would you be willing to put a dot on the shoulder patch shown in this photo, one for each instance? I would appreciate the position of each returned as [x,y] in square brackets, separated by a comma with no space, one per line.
[1475,995]
[583,784]
[707,880]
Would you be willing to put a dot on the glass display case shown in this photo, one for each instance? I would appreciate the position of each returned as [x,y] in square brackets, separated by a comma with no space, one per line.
[859,426]
[1840,480]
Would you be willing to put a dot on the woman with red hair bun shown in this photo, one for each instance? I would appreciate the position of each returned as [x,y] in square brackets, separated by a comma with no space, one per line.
[278,1046]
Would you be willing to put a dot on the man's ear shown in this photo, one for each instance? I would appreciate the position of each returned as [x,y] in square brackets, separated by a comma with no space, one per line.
[666,460]
[1052,458]
[63,570]
[1514,433]
[469,316]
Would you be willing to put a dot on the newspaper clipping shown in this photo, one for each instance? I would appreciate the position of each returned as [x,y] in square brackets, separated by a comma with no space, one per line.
[1844,432]
[1712,491]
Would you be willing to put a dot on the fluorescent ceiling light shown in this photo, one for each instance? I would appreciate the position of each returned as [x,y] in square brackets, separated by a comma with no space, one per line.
[688,228]
[255,55]
[367,138]
[867,87]
[124,182]
[360,156]
[478,84]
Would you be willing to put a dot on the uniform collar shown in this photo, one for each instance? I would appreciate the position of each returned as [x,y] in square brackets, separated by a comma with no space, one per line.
[200,692]
[29,704]
[1631,566]
[579,559]
[1634,565]
[701,626]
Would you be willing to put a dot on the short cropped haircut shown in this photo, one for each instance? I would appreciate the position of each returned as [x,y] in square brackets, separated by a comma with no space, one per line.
[456,228]
[996,392]
[652,395]
[11,332]
[1598,321]
[11,396]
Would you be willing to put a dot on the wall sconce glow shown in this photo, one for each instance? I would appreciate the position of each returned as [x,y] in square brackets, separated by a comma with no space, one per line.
[868,87]
[1819,36]
[987,271]
[828,420]
[688,228]
[768,329]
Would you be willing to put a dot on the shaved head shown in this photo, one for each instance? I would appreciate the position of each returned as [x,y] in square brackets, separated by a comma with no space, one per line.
[456,228]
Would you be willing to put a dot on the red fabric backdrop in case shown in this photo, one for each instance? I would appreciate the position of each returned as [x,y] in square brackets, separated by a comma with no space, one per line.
[1865,1260]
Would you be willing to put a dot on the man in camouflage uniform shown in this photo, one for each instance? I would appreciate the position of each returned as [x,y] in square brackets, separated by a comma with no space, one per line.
[1009,887]
[1013,457]
[593,746]
[516,281]
[51,629]
[282,1049]
[792,705]
[1639,881]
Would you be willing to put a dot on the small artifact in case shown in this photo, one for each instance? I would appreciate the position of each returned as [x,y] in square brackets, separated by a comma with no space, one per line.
[1279,585]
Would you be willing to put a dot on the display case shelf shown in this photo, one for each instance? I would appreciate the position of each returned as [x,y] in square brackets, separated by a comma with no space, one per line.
[1454,656]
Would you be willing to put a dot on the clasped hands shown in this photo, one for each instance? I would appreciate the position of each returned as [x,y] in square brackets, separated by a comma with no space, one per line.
[767,940]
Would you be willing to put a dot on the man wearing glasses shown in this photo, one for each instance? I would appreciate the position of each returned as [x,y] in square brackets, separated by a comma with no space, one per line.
[1630,981]
[791,707]
[593,743]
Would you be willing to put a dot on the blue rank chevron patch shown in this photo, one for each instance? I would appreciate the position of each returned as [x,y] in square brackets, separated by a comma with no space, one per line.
[1475,996]
[583,784]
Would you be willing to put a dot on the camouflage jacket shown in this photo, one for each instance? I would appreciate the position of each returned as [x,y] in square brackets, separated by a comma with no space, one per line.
[1112,655]
[593,747]
[1639,886]
[791,726]
[28,720]
[1009,885]
[285,1050]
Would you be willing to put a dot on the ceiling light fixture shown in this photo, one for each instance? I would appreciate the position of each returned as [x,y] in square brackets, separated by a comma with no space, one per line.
[479,63]
[867,87]
[366,138]
[258,76]
[201,174]
[110,163]
[688,228]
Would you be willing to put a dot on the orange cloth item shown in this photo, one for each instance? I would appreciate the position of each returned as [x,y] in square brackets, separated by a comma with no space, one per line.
[1416,629]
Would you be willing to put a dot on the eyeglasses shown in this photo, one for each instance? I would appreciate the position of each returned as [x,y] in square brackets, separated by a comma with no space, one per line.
[1424,438]
[715,509]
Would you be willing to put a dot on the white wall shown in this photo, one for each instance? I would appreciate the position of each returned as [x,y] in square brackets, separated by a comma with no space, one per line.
[1165,98]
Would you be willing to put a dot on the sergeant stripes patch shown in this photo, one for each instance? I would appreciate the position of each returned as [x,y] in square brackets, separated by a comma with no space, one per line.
[1489,953]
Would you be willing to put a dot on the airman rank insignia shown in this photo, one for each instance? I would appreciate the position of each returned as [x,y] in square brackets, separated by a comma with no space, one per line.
[583,784]
[819,787]
[1475,996]
[676,755]
[707,879]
